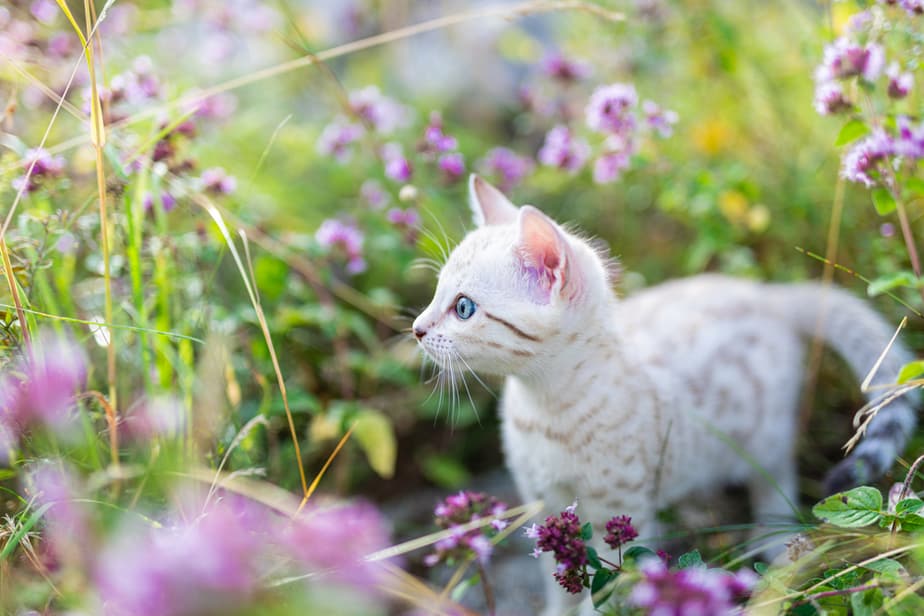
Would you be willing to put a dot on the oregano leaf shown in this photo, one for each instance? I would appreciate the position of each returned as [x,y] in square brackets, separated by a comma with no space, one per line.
[883,201]
[691,559]
[851,131]
[852,509]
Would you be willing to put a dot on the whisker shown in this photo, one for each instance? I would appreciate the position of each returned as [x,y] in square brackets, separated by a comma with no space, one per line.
[478,378]
[467,390]
[435,242]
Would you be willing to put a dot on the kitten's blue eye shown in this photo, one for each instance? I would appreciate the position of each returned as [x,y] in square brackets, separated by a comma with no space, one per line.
[465,307]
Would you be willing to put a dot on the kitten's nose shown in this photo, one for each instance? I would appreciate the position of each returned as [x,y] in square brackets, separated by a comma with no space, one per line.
[419,332]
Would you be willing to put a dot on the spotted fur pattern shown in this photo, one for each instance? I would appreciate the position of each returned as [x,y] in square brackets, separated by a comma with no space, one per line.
[630,405]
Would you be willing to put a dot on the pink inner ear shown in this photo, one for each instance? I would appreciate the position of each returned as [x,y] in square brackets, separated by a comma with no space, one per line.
[542,250]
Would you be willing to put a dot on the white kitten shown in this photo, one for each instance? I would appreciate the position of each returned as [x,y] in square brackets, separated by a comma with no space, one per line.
[630,405]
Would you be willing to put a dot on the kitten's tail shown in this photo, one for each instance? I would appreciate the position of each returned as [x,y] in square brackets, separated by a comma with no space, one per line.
[859,335]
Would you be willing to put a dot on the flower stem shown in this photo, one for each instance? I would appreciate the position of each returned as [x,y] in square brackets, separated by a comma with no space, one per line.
[488,590]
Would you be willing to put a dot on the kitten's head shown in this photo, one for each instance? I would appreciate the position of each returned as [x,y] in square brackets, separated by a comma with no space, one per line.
[511,290]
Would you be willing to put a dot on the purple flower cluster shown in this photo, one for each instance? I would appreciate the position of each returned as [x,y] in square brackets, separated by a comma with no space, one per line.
[336,540]
[506,166]
[211,557]
[217,181]
[68,531]
[407,221]
[44,166]
[563,150]
[161,417]
[345,236]
[564,69]
[900,83]
[561,535]
[373,194]
[694,590]
[864,162]
[619,531]
[847,58]
[460,509]
[337,137]
[612,111]
[380,113]
[912,7]
[39,389]
[397,166]
[437,145]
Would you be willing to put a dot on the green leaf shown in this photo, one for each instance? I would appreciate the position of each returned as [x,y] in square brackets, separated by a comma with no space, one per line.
[914,187]
[761,568]
[601,578]
[888,569]
[888,282]
[908,506]
[911,370]
[851,131]
[883,201]
[912,523]
[852,509]
[376,436]
[587,531]
[866,603]
[637,552]
[593,559]
[691,559]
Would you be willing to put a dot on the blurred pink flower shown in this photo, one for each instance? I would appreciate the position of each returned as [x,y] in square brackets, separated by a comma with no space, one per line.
[41,386]
[382,114]
[566,70]
[561,149]
[508,167]
[345,236]
[217,181]
[337,539]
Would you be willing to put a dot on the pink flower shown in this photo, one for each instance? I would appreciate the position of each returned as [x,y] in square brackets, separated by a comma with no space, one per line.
[564,151]
[660,120]
[373,194]
[900,84]
[563,69]
[381,113]
[460,509]
[509,167]
[844,58]
[830,98]
[215,180]
[41,387]
[337,539]
[397,167]
[346,237]
[207,562]
[452,165]
[434,138]
[336,138]
[693,590]
[611,109]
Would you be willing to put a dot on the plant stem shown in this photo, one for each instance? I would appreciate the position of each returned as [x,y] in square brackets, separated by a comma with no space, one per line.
[909,239]
[835,593]
[488,590]
[14,291]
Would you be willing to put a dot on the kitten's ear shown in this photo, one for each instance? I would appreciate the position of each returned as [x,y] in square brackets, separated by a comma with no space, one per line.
[546,255]
[489,205]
